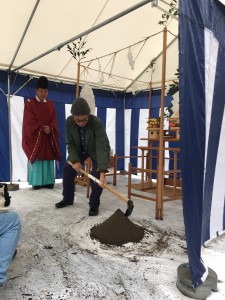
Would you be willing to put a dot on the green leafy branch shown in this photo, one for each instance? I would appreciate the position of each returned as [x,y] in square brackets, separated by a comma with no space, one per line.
[77,51]
[172,12]
[151,67]
[174,87]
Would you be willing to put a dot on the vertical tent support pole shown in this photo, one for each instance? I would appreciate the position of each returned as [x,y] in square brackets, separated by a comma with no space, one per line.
[78,80]
[9,118]
[11,186]
[149,153]
[149,103]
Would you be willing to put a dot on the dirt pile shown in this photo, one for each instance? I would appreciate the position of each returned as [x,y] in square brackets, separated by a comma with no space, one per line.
[117,230]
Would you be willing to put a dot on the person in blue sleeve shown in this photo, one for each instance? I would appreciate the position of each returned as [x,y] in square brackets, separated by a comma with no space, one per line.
[10,228]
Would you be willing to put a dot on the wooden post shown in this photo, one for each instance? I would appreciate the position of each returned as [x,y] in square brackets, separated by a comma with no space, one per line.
[129,180]
[78,80]
[149,104]
[149,153]
[160,166]
[150,99]
[175,173]
[115,160]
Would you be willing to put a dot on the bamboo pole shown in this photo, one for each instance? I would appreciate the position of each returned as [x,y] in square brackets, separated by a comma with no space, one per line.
[78,80]
[150,99]
[149,154]
[160,166]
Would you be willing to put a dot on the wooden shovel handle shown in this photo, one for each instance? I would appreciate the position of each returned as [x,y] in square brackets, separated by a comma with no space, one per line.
[120,196]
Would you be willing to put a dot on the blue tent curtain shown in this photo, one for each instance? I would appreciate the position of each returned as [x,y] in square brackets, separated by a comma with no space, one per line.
[202,98]
[4,138]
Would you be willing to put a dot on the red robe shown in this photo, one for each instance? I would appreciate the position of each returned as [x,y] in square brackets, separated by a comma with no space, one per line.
[37,144]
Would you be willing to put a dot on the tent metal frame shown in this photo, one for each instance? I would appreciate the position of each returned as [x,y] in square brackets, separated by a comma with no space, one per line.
[106,22]
[57,47]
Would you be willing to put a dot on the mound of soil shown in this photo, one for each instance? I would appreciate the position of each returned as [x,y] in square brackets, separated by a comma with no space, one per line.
[117,230]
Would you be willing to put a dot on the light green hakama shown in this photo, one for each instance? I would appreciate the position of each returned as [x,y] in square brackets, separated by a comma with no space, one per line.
[41,172]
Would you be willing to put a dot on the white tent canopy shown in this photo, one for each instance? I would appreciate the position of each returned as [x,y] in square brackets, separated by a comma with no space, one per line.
[30,31]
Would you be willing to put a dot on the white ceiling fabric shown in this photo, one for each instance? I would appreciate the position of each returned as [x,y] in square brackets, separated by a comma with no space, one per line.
[55,22]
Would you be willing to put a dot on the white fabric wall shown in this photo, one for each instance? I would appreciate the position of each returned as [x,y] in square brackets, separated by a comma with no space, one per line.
[19,159]
[143,133]
[217,208]
[111,128]
[127,136]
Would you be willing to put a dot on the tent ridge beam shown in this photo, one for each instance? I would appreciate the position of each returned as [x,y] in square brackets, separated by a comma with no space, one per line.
[58,47]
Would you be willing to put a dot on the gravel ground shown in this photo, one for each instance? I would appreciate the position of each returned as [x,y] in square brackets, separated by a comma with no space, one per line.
[57,258]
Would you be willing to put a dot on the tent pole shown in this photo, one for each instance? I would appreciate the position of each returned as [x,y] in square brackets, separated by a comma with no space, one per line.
[149,106]
[59,46]
[9,118]
[11,186]
[78,80]
[149,152]
[150,100]
[160,165]
[24,33]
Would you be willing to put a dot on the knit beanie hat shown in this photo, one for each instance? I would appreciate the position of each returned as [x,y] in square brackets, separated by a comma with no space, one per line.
[42,83]
[80,107]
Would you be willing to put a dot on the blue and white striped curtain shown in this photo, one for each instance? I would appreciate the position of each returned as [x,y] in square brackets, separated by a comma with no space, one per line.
[202,120]
[125,122]
[19,160]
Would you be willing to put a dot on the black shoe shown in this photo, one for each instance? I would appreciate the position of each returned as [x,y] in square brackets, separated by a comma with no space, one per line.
[48,186]
[36,187]
[93,212]
[63,203]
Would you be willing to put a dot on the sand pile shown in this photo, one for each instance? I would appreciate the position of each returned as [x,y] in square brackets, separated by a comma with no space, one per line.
[117,230]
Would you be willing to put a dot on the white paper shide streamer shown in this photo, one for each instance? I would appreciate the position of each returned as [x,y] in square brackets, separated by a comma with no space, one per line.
[130,58]
[175,107]
[88,95]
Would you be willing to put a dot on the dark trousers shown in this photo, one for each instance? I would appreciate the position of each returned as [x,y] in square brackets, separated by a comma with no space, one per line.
[69,175]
